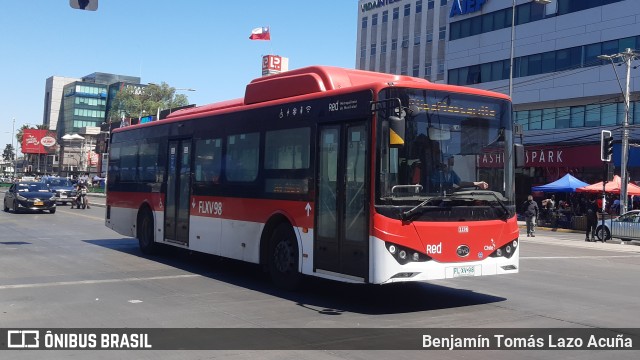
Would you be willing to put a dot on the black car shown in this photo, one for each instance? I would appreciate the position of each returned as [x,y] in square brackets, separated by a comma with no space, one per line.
[62,187]
[29,196]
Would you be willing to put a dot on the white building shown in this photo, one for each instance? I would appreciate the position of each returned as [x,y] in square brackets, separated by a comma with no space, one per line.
[563,94]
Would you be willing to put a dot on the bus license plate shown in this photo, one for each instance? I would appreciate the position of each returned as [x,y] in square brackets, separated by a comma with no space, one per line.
[38,203]
[63,196]
[460,271]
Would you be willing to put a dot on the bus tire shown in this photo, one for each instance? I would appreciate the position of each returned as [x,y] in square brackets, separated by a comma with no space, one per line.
[145,233]
[283,258]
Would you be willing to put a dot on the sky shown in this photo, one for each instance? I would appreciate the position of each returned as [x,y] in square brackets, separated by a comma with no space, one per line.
[198,44]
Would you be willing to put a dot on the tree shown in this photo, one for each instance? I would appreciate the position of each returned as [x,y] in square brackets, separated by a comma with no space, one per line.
[9,153]
[131,103]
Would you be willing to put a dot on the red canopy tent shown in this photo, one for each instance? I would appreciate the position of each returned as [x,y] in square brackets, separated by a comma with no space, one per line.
[611,187]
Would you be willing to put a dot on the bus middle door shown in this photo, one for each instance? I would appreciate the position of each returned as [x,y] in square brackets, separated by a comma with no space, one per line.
[176,217]
[342,213]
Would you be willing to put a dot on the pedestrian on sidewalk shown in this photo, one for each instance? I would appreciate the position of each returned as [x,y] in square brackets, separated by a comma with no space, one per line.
[531,215]
[592,220]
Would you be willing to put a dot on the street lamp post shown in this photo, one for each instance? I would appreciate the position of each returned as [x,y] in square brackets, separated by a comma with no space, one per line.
[627,56]
[15,157]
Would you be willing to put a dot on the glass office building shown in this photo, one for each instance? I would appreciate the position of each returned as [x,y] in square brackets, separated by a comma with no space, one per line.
[563,94]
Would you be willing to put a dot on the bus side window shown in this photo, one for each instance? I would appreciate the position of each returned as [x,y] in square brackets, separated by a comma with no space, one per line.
[208,162]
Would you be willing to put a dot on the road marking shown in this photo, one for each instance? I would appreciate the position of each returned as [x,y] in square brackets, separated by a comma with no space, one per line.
[627,248]
[90,282]
[578,257]
[73,211]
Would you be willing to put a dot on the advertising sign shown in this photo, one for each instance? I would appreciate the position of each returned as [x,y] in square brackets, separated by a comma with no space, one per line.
[36,141]
[274,64]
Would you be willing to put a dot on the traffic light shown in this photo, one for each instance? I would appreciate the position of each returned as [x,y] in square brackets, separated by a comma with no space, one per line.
[91,5]
[606,145]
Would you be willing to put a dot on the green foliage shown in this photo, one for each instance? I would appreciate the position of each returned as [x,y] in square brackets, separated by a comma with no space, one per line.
[131,103]
[9,153]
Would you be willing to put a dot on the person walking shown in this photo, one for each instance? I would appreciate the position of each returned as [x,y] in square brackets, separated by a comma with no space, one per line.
[592,220]
[531,215]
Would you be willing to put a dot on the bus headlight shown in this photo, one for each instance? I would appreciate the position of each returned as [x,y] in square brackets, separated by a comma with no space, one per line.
[392,249]
[506,250]
[404,255]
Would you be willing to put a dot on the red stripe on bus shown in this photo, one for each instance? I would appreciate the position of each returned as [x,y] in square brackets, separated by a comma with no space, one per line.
[300,213]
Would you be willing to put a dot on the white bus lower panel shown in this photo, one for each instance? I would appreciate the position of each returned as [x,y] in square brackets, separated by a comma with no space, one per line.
[384,268]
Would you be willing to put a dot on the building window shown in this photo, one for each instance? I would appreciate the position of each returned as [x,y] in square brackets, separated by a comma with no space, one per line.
[394,44]
[396,13]
[549,118]
[407,9]
[385,16]
[443,2]
[374,19]
[427,70]
[405,41]
[373,49]
[430,4]
[429,35]
[416,40]
[364,22]
[592,115]
[363,51]
[535,119]
[383,47]
[418,6]
[563,118]
[522,118]
[442,34]
[416,70]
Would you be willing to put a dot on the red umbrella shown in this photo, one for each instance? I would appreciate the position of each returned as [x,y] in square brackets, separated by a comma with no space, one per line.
[611,187]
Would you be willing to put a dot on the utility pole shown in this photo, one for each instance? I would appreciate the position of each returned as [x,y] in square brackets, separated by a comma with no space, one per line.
[627,56]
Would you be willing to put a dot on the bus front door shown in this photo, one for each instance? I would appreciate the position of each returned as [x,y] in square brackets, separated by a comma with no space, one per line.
[342,212]
[176,216]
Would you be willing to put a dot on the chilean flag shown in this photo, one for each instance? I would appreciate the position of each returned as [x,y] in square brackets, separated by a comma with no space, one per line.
[261,33]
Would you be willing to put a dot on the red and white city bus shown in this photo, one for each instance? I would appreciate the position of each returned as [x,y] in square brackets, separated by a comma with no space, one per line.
[327,172]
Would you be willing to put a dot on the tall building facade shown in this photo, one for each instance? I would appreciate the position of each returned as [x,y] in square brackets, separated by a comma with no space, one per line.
[563,94]
[404,37]
[75,108]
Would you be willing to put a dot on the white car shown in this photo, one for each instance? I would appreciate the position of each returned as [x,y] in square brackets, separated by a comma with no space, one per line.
[625,227]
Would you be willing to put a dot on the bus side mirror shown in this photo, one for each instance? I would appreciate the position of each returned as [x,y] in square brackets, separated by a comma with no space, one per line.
[518,150]
[91,5]
[397,127]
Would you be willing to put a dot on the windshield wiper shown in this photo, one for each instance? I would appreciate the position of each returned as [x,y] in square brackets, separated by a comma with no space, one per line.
[477,195]
[405,215]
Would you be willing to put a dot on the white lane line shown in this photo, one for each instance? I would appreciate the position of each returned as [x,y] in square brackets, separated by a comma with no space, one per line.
[88,282]
[577,257]
[619,248]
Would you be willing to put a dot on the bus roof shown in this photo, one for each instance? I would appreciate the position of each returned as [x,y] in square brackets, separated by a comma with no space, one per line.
[317,79]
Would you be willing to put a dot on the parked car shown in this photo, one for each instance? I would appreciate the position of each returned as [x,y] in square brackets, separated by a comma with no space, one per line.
[62,187]
[29,196]
[625,227]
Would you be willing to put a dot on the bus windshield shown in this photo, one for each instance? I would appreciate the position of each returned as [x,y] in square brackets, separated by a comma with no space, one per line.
[437,156]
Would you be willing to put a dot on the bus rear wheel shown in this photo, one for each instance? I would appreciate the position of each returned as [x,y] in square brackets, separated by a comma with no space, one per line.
[145,233]
[283,258]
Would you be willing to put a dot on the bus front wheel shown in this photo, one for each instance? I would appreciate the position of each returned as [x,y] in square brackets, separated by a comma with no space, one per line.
[145,233]
[283,258]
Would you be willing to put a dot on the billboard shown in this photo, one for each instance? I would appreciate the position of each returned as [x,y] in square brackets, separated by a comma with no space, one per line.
[36,141]
[274,64]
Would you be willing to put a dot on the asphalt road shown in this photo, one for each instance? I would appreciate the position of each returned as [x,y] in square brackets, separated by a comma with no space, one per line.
[66,270]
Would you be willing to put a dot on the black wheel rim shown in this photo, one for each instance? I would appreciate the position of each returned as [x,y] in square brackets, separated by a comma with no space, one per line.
[283,256]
